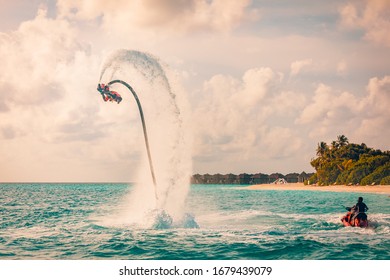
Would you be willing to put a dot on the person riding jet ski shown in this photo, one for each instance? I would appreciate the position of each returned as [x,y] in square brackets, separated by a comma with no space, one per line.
[356,215]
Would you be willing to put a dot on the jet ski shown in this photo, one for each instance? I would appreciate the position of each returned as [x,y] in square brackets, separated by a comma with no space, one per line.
[359,221]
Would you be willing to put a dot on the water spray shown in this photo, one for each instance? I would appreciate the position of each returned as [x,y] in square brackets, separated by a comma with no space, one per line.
[109,95]
[171,161]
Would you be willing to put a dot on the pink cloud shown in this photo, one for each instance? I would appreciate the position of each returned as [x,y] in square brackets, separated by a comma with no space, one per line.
[373,18]
[178,16]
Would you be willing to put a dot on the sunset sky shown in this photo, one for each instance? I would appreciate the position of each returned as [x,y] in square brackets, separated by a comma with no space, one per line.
[265,80]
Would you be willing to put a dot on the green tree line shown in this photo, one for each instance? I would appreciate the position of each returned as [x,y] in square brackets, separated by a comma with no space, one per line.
[342,162]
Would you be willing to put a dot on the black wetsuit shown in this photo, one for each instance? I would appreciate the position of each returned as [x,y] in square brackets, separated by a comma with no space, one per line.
[360,208]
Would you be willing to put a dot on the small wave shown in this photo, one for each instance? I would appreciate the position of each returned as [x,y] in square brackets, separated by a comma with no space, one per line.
[34,232]
[188,221]
[383,230]
[164,221]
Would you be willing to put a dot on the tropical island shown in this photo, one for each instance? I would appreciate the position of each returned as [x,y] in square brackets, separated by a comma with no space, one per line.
[340,163]
[344,163]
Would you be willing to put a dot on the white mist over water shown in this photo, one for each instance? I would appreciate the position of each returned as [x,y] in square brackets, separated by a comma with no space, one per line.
[165,110]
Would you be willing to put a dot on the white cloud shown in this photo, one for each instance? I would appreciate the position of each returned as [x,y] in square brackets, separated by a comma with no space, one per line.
[298,65]
[374,109]
[378,97]
[182,16]
[373,18]
[234,121]
[331,112]
[320,105]
[33,55]
[281,142]
[50,117]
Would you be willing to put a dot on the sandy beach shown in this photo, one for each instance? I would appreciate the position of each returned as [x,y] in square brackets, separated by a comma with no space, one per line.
[380,189]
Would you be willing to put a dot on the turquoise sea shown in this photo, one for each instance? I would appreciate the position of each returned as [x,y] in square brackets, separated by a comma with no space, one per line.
[69,221]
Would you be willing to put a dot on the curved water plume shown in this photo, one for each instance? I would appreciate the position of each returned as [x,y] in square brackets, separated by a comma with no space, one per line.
[165,115]
[144,130]
[145,64]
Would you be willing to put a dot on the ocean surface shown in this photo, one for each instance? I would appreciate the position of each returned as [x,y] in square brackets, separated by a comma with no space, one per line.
[72,221]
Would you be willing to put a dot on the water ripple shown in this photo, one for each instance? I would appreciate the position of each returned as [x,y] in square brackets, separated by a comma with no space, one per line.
[61,221]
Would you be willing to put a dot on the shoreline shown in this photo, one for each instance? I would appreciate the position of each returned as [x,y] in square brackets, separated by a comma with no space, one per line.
[377,189]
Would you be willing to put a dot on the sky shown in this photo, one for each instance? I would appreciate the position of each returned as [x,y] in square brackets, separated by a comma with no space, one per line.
[266,81]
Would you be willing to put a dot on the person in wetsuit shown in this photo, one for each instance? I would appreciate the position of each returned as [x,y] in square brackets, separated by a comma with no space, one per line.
[359,209]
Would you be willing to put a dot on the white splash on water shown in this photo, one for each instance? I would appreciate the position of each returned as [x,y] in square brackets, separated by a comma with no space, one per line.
[165,109]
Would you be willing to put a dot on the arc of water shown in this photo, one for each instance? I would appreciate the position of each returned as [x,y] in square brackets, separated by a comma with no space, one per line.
[144,129]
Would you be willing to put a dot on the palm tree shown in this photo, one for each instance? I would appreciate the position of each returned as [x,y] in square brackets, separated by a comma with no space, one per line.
[334,145]
[342,140]
[333,152]
[322,149]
